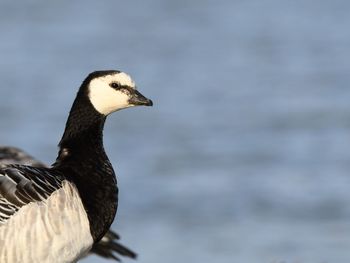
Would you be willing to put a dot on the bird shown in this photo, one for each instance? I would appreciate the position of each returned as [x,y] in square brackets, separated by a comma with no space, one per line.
[108,246]
[56,214]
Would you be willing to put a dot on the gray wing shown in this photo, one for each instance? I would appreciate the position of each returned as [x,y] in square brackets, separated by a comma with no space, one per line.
[108,247]
[12,155]
[21,185]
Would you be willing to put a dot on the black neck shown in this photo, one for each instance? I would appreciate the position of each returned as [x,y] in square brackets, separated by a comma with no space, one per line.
[83,160]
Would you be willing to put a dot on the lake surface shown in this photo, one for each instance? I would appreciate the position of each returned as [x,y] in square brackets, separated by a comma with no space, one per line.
[245,156]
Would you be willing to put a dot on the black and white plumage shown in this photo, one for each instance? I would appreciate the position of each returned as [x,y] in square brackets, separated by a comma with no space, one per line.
[20,185]
[109,246]
[56,214]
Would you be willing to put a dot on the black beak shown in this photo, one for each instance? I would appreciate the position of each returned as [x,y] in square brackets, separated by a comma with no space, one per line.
[138,99]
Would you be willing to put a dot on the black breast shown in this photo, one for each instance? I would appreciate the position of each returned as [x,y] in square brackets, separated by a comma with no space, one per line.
[84,162]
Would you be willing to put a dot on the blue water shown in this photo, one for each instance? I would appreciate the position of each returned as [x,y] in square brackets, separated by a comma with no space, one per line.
[245,156]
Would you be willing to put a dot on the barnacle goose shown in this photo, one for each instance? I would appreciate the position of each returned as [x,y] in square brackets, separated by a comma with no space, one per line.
[108,246]
[56,214]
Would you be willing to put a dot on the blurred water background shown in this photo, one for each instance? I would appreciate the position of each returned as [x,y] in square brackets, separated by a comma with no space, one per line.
[245,156]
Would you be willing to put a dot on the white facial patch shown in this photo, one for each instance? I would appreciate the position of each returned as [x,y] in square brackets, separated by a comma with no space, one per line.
[106,99]
[123,79]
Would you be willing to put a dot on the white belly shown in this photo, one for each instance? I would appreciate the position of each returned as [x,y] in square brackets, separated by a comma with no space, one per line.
[54,230]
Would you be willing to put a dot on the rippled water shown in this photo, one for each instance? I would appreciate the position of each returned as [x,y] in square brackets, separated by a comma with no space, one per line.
[245,156]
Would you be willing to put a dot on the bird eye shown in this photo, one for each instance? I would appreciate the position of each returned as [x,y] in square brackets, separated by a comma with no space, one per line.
[115,85]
